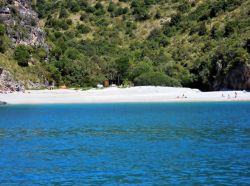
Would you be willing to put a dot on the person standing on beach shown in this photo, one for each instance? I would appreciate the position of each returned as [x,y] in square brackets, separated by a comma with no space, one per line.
[235,95]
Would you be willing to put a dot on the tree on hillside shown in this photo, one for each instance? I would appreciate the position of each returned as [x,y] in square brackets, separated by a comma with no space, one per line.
[122,65]
[22,55]
[156,79]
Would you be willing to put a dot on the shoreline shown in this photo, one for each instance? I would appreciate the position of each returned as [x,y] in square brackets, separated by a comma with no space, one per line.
[146,94]
[107,103]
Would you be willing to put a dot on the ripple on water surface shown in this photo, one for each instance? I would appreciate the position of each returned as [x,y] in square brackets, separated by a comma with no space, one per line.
[117,144]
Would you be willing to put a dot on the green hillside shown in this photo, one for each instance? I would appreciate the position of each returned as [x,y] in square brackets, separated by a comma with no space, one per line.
[191,43]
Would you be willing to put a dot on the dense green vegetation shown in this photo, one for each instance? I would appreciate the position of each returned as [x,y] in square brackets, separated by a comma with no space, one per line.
[141,42]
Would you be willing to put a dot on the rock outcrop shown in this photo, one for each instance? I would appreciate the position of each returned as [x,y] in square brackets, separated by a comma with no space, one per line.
[22,23]
[35,85]
[3,103]
[237,79]
[7,82]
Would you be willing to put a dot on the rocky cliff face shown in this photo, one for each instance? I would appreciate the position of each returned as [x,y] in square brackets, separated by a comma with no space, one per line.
[237,79]
[22,29]
[22,23]
[7,82]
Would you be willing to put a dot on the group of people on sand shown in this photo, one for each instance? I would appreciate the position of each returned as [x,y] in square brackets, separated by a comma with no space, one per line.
[183,96]
[235,96]
[229,96]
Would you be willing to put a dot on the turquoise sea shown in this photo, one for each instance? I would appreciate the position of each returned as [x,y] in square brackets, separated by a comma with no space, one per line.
[125,144]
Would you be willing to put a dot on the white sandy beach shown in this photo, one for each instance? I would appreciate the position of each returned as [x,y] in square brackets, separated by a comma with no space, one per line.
[121,95]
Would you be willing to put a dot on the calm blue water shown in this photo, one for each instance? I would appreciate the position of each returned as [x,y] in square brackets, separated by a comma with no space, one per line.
[125,144]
